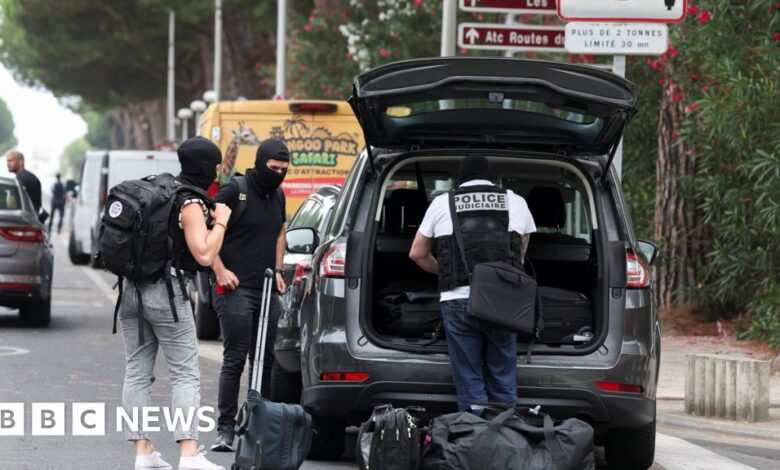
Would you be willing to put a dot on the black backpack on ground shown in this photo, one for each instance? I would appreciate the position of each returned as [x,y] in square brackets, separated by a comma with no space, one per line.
[135,241]
[390,439]
[508,438]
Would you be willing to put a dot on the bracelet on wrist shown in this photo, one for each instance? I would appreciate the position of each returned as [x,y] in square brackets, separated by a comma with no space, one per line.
[221,225]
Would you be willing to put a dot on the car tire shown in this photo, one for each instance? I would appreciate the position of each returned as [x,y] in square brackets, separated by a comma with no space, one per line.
[327,442]
[36,313]
[75,256]
[285,386]
[631,449]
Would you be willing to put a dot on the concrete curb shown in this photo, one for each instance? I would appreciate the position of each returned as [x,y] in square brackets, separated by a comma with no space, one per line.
[721,427]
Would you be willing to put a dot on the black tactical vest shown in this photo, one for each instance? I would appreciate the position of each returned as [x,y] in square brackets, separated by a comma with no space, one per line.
[484,221]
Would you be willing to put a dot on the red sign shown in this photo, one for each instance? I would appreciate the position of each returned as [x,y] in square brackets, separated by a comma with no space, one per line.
[539,7]
[500,37]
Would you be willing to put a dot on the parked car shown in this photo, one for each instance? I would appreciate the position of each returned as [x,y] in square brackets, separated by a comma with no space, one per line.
[100,172]
[26,256]
[314,213]
[550,131]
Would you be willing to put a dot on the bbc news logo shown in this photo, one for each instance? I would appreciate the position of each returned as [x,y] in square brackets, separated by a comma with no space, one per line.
[90,419]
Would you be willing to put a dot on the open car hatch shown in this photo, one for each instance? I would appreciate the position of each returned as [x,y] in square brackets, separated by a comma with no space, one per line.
[501,102]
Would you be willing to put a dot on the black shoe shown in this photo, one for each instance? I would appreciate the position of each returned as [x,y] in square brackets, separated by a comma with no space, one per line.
[224,441]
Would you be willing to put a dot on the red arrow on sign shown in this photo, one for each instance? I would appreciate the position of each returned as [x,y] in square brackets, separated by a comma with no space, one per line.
[540,7]
[499,37]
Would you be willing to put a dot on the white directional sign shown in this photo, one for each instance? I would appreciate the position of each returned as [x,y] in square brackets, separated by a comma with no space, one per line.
[617,38]
[502,37]
[536,7]
[623,11]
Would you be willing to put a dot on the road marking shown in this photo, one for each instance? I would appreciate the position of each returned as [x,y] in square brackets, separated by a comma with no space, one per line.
[674,453]
[12,351]
[100,283]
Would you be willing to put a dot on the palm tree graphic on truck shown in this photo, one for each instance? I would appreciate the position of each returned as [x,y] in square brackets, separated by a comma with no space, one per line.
[669,4]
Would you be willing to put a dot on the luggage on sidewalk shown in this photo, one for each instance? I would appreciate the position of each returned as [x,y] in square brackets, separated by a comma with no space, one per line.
[567,317]
[513,438]
[390,439]
[272,436]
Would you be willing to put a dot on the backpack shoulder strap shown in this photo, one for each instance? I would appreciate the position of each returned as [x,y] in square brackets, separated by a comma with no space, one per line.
[243,189]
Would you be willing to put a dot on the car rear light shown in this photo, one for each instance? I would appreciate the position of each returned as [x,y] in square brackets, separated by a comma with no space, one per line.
[14,286]
[313,107]
[334,261]
[22,234]
[344,376]
[637,272]
[300,272]
[618,387]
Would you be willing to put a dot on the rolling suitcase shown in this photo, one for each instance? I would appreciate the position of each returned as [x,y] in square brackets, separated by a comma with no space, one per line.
[272,436]
[567,317]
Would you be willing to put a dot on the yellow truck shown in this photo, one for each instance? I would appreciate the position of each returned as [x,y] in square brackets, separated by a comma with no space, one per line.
[324,139]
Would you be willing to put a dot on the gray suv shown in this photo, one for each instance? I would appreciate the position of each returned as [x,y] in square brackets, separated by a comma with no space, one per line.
[550,131]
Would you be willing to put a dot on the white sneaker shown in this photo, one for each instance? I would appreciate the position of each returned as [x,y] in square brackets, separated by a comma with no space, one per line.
[151,461]
[198,462]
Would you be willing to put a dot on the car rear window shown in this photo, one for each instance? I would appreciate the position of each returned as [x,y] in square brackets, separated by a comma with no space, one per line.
[421,107]
[10,199]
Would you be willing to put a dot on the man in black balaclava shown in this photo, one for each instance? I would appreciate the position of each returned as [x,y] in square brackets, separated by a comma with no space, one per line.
[495,226]
[255,240]
[199,158]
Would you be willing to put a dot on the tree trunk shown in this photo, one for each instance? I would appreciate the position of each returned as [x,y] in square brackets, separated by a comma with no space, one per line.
[678,222]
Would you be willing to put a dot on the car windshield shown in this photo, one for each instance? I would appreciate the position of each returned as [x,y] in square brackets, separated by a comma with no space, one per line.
[10,199]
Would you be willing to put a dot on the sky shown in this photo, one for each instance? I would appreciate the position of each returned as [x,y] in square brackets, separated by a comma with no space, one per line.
[43,126]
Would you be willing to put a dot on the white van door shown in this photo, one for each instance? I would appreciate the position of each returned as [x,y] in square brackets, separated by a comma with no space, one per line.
[86,205]
[133,165]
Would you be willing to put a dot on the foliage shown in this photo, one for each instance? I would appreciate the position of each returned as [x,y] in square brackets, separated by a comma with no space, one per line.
[7,138]
[98,128]
[72,157]
[640,148]
[728,76]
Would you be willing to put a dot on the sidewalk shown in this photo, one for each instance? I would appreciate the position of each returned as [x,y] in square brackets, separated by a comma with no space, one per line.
[671,387]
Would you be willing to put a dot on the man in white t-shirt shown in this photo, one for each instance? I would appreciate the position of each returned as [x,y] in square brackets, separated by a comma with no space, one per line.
[495,226]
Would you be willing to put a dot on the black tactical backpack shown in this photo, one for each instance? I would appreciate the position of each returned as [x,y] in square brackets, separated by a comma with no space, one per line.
[135,241]
[390,439]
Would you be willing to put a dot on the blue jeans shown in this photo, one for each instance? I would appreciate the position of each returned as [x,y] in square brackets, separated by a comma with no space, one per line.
[483,359]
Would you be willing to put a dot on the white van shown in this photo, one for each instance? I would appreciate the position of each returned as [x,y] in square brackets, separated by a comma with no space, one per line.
[100,172]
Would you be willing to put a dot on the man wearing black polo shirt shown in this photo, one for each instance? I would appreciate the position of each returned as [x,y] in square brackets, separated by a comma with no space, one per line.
[254,241]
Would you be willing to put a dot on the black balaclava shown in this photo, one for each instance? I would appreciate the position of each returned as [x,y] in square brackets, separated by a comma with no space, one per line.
[474,167]
[266,179]
[199,158]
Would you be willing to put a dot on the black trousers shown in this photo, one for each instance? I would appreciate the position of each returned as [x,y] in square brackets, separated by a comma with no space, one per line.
[239,313]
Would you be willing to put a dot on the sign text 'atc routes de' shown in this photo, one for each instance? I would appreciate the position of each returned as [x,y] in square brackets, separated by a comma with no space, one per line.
[501,37]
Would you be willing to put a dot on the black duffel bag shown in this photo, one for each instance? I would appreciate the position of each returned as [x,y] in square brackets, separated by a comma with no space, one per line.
[501,295]
[514,439]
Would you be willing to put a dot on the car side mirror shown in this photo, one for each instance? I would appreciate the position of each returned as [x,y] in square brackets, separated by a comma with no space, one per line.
[302,240]
[649,249]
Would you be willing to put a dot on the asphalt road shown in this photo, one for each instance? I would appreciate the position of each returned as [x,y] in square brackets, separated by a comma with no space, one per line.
[78,360]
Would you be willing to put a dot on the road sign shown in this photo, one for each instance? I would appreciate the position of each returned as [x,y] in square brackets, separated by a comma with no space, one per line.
[623,11]
[501,37]
[536,7]
[617,38]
